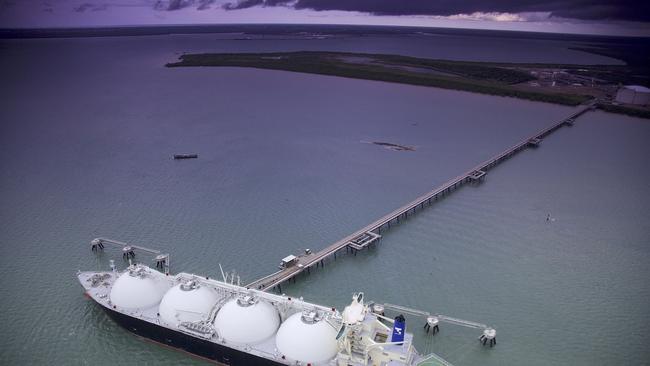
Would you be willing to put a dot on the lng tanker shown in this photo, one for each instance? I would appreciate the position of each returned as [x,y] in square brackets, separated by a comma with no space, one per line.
[229,324]
[233,325]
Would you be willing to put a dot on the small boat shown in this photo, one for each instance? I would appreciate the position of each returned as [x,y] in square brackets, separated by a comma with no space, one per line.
[185,156]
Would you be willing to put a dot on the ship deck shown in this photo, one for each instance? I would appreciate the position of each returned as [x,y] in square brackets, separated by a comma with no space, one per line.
[100,292]
[98,285]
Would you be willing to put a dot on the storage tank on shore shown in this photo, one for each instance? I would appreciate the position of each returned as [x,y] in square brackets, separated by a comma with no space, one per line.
[307,338]
[139,287]
[187,302]
[633,94]
[247,320]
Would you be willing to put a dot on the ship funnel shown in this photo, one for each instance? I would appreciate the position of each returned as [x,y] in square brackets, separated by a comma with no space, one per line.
[398,329]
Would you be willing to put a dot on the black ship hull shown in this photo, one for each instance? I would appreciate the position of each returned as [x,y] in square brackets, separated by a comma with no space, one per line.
[200,347]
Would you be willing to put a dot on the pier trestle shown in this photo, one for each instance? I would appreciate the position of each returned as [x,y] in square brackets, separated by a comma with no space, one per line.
[371,233]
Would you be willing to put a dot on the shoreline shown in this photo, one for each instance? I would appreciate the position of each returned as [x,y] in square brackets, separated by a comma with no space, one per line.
[523,81]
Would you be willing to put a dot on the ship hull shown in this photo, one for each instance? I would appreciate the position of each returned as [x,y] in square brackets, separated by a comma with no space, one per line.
[208,350]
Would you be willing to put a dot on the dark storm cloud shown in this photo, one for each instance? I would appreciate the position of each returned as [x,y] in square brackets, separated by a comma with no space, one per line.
[577,9]
[88,6]
[205,4]
[172,5]
[243,4]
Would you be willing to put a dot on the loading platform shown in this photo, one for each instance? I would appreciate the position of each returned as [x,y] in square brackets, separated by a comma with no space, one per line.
[372,232]
[364,240]
[534,142]
[476,175]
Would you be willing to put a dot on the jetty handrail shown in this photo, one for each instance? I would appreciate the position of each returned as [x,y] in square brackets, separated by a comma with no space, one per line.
[407,310]
[462,322]
[264,278]
[122,245]
[444,318]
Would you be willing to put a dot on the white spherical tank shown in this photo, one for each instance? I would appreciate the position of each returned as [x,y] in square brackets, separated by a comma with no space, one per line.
[187,302]
[247,321]
[306,339]
[139,287]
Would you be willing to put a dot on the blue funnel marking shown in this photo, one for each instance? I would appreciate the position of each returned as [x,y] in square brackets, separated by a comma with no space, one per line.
[398,329]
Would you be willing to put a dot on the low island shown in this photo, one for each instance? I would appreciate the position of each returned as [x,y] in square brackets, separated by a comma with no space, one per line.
[552,83]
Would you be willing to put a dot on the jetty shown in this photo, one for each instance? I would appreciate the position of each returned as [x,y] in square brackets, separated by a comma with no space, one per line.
[371,233]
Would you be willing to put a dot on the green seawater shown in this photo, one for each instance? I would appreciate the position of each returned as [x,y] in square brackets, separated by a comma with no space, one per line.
[88,128]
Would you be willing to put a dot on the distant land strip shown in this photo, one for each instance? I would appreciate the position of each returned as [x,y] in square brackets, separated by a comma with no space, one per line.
[501,79]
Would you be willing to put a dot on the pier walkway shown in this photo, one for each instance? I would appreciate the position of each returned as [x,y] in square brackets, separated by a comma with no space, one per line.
[372,232]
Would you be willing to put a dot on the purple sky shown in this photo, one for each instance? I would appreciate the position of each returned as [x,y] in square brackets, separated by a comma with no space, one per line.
[560,16]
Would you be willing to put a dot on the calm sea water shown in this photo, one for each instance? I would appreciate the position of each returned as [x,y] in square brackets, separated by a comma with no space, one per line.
[88,127]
